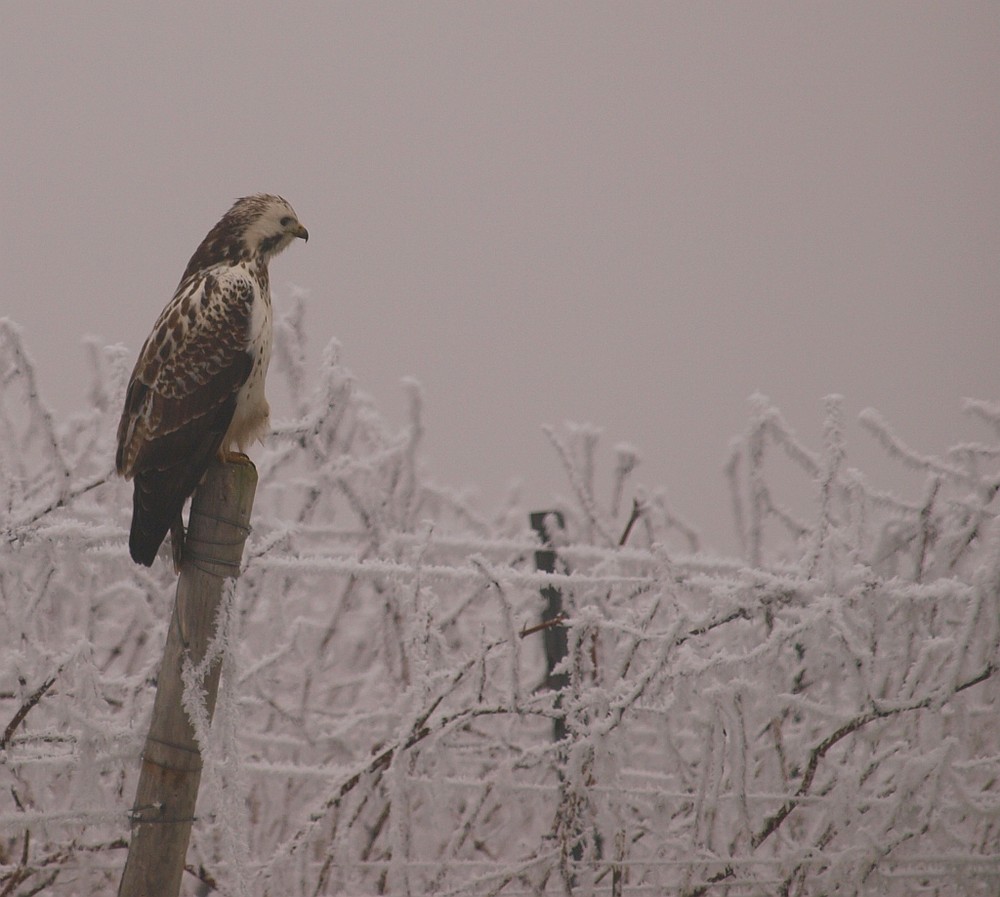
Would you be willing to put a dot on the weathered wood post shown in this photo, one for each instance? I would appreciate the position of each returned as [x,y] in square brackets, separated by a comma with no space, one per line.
[171,761]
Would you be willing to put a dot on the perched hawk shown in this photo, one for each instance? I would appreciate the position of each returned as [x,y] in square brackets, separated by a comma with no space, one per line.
[197,390]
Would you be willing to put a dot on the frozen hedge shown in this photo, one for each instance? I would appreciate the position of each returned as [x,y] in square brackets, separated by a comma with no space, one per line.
[818,716]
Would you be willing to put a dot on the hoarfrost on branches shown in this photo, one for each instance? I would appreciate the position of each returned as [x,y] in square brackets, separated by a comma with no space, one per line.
[820,715]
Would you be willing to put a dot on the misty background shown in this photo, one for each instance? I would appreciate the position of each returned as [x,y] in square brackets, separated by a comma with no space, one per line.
[633,215]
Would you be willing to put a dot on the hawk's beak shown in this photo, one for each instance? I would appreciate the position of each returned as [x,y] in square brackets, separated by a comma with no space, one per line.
[300,231]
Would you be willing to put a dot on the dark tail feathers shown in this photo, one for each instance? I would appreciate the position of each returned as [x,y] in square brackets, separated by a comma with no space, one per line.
[155,511]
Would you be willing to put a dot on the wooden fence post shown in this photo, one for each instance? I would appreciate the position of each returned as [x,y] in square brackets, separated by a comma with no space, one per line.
[171,761]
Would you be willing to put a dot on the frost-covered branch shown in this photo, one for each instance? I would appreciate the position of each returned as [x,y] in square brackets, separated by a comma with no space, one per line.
[24,710]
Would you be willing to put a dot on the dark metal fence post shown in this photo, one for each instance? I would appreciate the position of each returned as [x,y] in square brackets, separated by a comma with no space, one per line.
[553,635]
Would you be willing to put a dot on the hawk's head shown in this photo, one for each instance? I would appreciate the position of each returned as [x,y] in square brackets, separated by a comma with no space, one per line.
[268,223]
[257,226]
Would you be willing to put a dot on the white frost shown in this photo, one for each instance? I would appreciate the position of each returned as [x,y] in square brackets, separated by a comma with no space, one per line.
[821,715]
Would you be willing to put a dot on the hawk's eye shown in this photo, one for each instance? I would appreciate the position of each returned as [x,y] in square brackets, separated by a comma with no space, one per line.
[286,221]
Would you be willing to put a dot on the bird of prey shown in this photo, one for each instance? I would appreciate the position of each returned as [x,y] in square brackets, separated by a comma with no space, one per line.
[197,390]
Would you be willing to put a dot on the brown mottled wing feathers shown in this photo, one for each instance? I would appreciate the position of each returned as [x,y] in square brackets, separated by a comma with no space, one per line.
[180,402]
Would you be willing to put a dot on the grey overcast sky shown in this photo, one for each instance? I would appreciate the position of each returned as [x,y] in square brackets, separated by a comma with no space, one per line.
[627,214]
